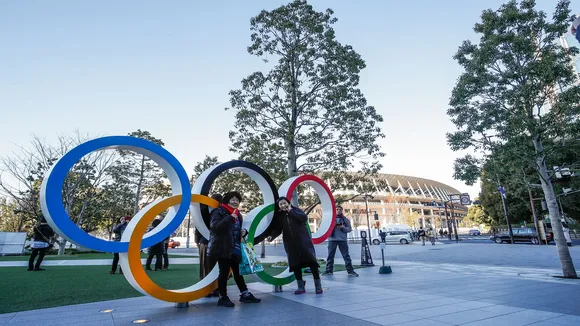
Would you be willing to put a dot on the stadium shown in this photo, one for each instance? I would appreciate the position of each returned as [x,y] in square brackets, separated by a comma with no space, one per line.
[400,199]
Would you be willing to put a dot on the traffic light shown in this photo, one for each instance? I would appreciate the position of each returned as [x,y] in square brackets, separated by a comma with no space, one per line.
[377,225]
[376,216]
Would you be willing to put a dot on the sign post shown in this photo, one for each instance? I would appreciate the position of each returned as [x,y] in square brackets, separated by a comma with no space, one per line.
[365,251]
[384,269]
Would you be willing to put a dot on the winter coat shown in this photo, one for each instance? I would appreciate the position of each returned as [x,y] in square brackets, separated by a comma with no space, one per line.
[43,232]
[221,235]
[297,239]
[118,230]
[157,249]
[340,233]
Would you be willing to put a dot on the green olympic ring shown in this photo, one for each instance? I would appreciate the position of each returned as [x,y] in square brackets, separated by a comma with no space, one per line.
[286,277]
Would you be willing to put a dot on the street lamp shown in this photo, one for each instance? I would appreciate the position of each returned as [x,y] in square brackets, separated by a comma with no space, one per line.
[366,197]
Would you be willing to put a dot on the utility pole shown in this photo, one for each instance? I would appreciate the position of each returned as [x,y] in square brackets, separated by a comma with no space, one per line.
[368,218]
[536,224]
[533,207]
[189,218]
[505,211]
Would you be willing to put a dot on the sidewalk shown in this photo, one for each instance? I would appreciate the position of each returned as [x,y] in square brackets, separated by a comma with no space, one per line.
[414,294]
[99,262]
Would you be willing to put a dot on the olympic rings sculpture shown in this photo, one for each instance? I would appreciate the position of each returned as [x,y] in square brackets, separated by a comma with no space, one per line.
[184,198]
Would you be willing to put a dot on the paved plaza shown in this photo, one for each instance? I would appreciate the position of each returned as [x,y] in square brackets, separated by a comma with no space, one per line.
[418,292]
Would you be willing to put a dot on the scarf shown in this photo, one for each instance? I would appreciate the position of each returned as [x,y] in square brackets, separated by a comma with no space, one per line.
[231,210]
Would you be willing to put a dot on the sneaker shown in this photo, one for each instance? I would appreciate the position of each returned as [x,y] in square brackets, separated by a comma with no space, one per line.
[225,302]
[39,269]
[30,269]
[249,298]
[111,272]
[353,274]
[327,273]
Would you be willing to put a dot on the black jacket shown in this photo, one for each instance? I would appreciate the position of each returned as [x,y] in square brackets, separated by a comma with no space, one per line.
[46,230]
[297,239]
[221,236]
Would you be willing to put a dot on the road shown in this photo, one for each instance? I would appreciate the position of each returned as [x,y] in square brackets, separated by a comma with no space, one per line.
[474,252]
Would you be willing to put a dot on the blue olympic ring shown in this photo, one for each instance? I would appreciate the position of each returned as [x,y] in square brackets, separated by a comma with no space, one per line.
[51,191]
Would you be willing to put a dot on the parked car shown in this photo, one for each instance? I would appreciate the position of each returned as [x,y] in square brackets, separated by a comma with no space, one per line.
[474,232]
[402,237]
[520,235]
[174,243]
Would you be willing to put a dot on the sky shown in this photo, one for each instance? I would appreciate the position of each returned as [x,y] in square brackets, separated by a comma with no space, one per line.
[112,67]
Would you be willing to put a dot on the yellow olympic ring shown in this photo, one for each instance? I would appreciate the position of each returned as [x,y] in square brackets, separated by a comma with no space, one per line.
[131,260]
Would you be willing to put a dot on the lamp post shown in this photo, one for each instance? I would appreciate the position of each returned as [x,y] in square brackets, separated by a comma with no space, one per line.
[368,218]
[189,219]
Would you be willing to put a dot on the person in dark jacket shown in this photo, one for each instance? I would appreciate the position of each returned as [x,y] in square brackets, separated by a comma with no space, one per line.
[338,239]
[291,222]
[40,244]
[118,233]
[156,251]
[166,253]
[224,247]
[206,264]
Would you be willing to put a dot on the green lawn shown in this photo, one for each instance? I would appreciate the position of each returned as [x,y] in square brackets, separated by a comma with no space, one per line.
[66,285]
[91,255]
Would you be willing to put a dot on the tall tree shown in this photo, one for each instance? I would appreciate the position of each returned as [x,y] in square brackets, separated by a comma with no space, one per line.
[307,112]
[141,174]
[10,220]
[27,168]
[519,87]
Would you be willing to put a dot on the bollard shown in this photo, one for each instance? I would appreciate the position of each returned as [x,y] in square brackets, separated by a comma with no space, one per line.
[278,288]
[181,304]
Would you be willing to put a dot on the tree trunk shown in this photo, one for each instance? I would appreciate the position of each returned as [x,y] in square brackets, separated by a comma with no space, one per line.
[563,253]
[292,168]
[139,184]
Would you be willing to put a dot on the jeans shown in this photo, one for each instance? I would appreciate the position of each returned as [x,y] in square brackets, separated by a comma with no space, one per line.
[40,252]
[224,265]
[343,246]
[158,263]
[116,263]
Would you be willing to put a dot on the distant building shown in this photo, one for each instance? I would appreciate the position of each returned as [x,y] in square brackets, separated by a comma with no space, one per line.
[402,200]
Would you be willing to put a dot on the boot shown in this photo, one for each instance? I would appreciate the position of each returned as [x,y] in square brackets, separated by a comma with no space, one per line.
[225,302]
[318,286]
[301,288]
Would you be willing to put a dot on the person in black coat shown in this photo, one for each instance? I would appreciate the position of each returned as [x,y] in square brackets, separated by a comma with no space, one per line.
[205,263]
[291,222]
[40,244]
[224,247]
[156,251]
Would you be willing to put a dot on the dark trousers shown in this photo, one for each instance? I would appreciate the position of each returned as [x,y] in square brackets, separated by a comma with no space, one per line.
[343,246]
[158,263]
[40,252]
[116,263]
[166,256]
[224,265]
[313,269]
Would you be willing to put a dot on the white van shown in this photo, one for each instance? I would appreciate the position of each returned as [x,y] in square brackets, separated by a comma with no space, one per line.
[402,237]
